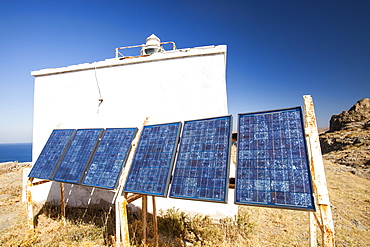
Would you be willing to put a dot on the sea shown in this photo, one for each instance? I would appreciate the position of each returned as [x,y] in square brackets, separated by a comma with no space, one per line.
[21,152]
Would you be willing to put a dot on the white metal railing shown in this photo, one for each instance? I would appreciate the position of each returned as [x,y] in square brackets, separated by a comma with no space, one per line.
[118,54]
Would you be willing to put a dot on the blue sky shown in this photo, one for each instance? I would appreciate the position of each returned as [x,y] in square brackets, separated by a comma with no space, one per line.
[278,51]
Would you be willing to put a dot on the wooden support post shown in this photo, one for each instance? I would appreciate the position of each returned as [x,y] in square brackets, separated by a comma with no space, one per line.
[144,213]
[62,203]
[30,219]
[155,223]
[318,174]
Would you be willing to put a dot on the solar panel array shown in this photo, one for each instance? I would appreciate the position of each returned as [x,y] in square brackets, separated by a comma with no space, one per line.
[272,166]
[152,164]
[51,154]
[93,157]
[110,157]
[202,165]
[272,163]
[78,155]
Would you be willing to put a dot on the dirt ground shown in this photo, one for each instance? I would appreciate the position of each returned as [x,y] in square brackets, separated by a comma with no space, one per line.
[12,210]
[349,196]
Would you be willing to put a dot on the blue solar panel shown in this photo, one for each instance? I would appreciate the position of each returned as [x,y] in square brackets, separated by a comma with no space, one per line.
[202,165]
[51,154]
[152,164]
[110,157]
[272,166]
[78,155]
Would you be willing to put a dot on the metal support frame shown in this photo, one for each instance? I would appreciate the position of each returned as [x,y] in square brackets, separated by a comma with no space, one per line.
[323,217]
[121,199]
[30,216]
[122,230]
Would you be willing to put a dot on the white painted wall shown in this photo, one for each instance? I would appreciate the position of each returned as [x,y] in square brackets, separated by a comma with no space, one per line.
[171,86]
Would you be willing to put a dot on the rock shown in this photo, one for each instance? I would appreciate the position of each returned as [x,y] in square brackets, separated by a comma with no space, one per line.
[358,116]
[358,224]
[339,140]
[348,140]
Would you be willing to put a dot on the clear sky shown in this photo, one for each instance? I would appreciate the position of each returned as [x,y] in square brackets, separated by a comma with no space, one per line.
[278,51]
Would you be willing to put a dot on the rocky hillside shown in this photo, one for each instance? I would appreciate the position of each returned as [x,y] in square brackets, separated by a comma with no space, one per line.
[347,142]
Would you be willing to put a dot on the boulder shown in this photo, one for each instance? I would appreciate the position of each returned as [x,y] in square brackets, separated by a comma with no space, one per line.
[348,140]
[358,116]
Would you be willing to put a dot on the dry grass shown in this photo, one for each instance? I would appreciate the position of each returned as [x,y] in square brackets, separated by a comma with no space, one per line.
[276,227]
[51,230]
[6,167]
[349,194]
[350,199]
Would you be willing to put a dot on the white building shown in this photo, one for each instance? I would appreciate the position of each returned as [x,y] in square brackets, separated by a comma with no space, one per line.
[166,86]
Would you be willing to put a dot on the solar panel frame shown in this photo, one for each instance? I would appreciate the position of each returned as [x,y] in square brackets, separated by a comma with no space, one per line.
[110,158]
[203,161]
[272,161]
[78,156]
[52,153]
[152,165]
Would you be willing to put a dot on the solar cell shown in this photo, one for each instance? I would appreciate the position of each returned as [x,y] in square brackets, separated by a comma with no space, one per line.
[51,154]
[78,155]
[110,157]
[272,164]
[202,165]
[152,164]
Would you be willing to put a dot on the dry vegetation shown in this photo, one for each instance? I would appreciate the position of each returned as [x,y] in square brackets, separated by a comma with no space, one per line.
[349,194]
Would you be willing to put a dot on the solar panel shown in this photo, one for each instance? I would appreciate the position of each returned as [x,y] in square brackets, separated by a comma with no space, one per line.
[110,157]
[51,154]
[78,155]
[152,164]
[202,165]
[272,166]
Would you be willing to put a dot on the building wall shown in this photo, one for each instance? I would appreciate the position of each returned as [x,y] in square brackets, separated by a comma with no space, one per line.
[172,86]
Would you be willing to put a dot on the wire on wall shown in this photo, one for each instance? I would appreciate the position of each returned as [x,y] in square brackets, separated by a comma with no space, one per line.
[97,84]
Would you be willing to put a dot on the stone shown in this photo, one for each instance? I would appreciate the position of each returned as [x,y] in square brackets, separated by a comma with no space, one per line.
[358,116]
[347,142]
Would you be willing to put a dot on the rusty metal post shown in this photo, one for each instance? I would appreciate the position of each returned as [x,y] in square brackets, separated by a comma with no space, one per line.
[118,221]
[155,223]
[122,232]
[313,230]
[144,213]
[124,223]
[121,201]
[318,173]
[30,219]
[328,226]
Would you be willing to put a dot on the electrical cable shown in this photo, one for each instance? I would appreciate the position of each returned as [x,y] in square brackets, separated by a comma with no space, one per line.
[97,84]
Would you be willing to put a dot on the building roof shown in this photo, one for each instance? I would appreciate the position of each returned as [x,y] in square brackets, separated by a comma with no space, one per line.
[171,54]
